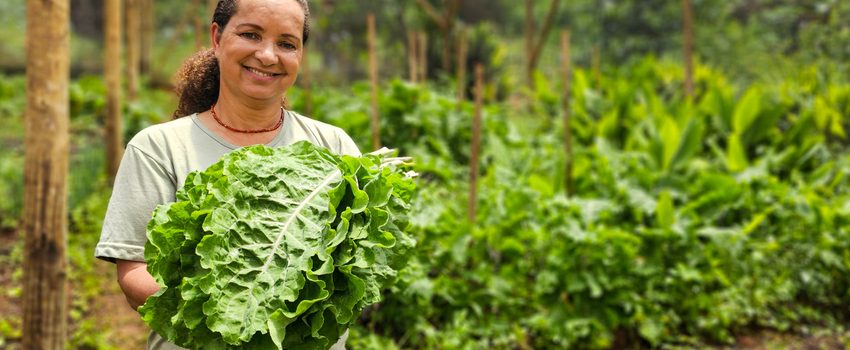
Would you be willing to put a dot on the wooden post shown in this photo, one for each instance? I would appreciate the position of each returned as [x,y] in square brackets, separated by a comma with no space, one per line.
[112,70]
[568,131]
[423,57]
[529,39]
[307,83]
[146,35]
[688,24]
[133,32]
[373,75]
[445,22]
[535,48]
[45,214]
[476,141]
[198,28]
[461,68]
[413,55]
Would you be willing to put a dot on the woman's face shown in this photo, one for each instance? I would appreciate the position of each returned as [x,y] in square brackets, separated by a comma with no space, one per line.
[260,49]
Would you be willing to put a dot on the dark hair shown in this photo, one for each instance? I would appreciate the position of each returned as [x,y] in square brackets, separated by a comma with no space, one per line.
[198,79]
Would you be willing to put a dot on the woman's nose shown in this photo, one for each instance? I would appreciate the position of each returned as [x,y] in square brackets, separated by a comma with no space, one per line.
[265,54]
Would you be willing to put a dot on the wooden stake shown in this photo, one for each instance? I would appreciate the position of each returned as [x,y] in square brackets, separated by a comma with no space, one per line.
[533,47]
[688,24]
[112,70]
[413,55]
[476,141]
[133,45]
[307,83]
[529,39]
[373,75]
[568,131]
[461,68]
[146,35]
[423,57]
[45,211]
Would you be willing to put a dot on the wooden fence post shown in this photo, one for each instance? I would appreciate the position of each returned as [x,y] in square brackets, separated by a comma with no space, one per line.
[45,214]
[146,35]
[373,75]
[112,70]
[307,83]
[423,57]
[461,68]
[688,31]
[568,131]
[476,141]
[133,33]
[413,55]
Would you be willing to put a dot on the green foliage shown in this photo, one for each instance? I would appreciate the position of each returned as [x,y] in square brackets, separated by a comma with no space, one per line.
[693,221]
[316,238]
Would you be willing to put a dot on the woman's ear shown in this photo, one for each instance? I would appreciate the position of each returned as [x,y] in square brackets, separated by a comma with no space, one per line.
[215,36]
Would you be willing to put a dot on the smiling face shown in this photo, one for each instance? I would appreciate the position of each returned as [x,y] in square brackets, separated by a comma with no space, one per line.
[260,49]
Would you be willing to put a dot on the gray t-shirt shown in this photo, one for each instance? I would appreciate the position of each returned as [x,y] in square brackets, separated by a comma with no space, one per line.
[155,165]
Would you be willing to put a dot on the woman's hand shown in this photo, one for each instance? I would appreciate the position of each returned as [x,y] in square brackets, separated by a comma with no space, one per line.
[135,281]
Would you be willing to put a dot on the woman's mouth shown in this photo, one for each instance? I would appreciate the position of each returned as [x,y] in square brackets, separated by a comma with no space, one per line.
[261,73]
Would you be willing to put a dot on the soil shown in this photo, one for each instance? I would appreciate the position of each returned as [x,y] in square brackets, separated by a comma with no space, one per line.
[121,326]
[127,331]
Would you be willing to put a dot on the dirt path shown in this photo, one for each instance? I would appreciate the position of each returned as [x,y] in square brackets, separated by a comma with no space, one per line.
[112,313]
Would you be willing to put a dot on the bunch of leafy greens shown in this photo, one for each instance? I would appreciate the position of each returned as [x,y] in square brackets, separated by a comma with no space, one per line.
[276,248]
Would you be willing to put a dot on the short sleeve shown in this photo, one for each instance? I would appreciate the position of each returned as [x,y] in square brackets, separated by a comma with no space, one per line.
[347,146]
[141,184]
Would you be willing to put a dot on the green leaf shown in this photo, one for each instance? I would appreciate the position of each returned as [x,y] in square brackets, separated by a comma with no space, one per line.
[671,137]
[276,248]
[664,212]
[736,158]
[747,110]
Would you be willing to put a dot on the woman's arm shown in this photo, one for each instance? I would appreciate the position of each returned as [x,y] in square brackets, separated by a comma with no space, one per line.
[135,281]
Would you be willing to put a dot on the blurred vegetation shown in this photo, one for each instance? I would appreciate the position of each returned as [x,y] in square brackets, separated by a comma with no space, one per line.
[744,38]
[694,222]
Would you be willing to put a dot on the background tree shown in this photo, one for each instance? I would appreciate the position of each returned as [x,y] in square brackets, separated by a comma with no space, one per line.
[45,218]
[112,72]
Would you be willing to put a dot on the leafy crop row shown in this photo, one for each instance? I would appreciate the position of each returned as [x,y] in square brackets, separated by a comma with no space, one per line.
[693,220]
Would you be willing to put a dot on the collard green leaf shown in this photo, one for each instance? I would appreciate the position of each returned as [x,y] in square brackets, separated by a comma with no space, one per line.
[276,248]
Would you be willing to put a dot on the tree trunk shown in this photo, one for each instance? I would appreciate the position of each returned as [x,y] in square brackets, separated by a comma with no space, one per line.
[45,173]
[423,57]
[537,47]
[112,70]
[688,24]
[566,54]
[133,30]
[447,27]
[413,55]
[529,40]
[146,35]
[373,76]
[307,84]
[476,142]
[461,67]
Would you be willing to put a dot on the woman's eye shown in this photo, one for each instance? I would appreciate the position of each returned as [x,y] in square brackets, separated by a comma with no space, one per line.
[287,46]
[249,35]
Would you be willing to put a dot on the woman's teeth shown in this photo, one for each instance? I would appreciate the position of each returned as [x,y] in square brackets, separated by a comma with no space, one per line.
[260,73]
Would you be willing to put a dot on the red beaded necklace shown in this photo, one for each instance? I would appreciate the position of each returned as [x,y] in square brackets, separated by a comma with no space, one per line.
[256,131]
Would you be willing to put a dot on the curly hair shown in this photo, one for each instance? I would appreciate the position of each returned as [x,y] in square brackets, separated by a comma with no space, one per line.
[198,79]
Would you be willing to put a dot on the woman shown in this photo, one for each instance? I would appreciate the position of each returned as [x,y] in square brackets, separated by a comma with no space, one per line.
[230,96]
